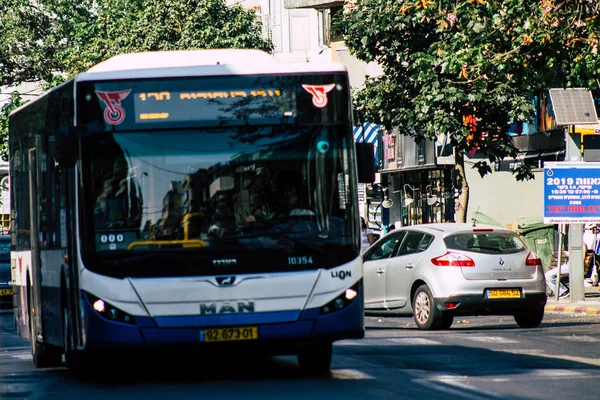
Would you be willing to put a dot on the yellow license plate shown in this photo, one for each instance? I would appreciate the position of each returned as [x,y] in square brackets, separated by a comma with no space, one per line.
[6,292]
[229,334]
[504,294]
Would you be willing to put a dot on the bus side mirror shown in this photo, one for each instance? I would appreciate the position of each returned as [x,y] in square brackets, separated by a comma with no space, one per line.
[65,150]
[365,159]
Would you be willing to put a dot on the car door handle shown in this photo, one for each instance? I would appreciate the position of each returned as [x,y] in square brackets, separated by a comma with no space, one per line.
[380,271]
[409,266]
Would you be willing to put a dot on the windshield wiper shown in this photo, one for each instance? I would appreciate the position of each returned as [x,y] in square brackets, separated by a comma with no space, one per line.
[279,237]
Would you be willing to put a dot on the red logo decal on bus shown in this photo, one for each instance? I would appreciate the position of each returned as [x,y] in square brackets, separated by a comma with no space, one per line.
[319,93]
[20,264]
[114,114]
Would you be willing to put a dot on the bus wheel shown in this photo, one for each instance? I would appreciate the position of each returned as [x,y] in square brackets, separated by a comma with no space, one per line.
[315,359]
[44,355]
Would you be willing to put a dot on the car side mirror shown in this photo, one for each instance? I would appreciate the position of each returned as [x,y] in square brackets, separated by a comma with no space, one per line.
[365,160]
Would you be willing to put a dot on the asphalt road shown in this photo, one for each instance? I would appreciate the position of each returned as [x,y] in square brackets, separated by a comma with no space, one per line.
[478,358]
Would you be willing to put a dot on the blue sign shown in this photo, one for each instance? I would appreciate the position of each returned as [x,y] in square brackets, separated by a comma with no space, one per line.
[571,192]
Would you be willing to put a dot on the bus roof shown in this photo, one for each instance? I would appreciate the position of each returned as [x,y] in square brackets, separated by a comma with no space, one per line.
[178,63]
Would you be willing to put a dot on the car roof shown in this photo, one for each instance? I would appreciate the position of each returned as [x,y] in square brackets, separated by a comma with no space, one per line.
[446,228]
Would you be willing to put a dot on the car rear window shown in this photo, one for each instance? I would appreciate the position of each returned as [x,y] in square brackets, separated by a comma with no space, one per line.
[486,242]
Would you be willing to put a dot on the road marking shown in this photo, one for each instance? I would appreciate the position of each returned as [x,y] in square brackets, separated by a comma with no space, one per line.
[347,374]
[490,339]
[18,353]
[541,353]
[457,389]
[557,373]
[22,356]
[351,343]
[588,339]
[413,342]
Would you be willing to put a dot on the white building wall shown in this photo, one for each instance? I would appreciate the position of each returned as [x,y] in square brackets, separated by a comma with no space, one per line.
[295,33]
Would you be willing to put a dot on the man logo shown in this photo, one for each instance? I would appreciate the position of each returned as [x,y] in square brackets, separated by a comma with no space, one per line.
[225,280]
[229,262]
[226,308]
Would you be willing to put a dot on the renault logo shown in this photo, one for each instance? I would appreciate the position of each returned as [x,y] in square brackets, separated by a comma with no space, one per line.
[225,280]
[501,262]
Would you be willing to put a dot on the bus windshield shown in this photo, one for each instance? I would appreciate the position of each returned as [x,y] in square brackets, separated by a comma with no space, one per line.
[218,188]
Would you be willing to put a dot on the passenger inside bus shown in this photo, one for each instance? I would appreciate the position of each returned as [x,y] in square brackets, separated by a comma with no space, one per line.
[291,198]
[117,205]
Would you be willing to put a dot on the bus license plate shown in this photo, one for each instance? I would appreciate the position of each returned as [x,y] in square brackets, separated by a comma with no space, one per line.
[6,292]
[503,294]
[229,334]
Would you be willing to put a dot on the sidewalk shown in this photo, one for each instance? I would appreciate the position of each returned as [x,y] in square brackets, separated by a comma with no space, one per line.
[591,304]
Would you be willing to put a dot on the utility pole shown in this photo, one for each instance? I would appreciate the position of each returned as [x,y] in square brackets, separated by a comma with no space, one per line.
[574,106]
[575,235]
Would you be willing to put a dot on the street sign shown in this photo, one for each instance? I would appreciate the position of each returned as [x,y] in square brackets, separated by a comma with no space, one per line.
[573,106]
[571,192]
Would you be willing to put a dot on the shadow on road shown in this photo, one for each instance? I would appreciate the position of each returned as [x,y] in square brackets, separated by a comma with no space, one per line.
[384,371]
[183,366]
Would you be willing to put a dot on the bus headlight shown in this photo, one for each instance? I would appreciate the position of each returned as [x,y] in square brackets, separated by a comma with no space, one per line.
[108,311]
[342,301]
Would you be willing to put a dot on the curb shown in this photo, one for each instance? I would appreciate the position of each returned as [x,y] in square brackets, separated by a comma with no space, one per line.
[577,309]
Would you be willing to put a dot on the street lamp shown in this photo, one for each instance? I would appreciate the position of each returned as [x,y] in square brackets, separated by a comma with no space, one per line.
[431,198]
[387,202]
[409,199]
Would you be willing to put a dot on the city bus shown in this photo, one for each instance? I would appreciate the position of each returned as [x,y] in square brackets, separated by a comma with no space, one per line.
[203,197]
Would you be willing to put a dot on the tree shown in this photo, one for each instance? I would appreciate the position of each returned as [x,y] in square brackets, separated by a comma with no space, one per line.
[48,41]
[469,68]
[11,104]
[122,26]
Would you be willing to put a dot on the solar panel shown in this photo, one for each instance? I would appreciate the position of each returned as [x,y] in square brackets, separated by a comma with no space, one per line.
[573,106]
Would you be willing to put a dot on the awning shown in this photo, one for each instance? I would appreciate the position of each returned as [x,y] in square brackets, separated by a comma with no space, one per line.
[370,135]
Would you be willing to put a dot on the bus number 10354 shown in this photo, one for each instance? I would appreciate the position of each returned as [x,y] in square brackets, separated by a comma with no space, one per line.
[300,260]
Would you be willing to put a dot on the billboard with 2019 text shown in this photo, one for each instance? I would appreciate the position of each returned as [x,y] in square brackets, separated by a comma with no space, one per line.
[571,192]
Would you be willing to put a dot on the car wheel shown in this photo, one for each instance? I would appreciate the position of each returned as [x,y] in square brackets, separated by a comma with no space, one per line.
[529,318]
[315,359]
[426,315]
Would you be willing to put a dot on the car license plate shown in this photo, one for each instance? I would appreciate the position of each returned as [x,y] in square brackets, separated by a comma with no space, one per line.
[229,334]
[6,292]
[503,293]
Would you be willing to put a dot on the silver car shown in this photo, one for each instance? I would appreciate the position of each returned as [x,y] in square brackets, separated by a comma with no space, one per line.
[437,271]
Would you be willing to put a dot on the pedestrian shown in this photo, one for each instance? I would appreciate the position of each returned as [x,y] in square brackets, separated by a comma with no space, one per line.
[553,274]
[364,236]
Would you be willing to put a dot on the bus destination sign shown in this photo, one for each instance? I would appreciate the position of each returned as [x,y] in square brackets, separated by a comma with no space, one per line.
[241,104]
[571,192]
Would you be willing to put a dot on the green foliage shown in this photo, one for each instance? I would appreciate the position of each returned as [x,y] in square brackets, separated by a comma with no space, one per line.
[446,61]
[51,40]
[14,102]
[28,46]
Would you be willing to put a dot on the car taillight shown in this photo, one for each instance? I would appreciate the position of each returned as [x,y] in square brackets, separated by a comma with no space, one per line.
[533,259]
[453,260]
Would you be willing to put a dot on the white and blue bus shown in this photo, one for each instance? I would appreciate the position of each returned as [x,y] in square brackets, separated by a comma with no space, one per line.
[187,198]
